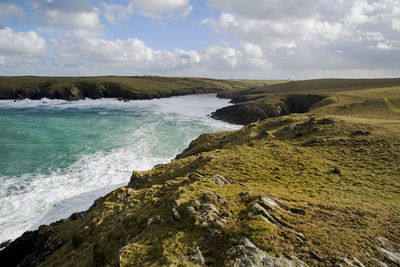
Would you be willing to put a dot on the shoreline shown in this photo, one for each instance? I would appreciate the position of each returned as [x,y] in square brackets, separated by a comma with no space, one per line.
[72,215]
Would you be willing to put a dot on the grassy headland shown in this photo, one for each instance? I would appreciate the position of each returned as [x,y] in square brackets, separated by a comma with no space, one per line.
[146,87]
[317,188]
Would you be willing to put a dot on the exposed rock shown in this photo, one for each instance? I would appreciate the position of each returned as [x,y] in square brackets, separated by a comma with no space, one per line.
[175,214]
[32,248]
[379,263]
[205,212]
[269,203]
[197,257]
[246,193]
[341,142]
[347,261]
[220,180]
[195,176]
[245,185]
[298,211]
[211,196]
[358,133]
[5,243]
[394,257]
[336,170]
[315,256]
[154,220]
[130,191]
[177,203]
[227,214]
[325,121]
[357,262]
[264,134]
[257,209]
[77,215]
[137,180]
[246,254]
[300,235]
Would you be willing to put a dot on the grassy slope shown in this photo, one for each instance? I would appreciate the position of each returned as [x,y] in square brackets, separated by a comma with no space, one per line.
[291,159]
[272,93]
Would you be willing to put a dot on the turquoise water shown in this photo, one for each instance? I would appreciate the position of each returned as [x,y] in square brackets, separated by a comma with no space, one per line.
[57,157]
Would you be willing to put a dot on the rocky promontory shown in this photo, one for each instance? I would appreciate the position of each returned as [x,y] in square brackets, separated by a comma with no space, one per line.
[248,112]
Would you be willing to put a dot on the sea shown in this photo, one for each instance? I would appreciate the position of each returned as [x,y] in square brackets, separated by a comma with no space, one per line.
[57,157]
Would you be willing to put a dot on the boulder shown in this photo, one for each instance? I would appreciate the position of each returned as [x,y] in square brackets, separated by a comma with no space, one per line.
[246,254]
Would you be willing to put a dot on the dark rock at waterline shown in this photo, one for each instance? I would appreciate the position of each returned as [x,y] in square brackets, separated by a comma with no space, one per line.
[32,248]
[77,215]
[81,90]
[245,113]
[5,243]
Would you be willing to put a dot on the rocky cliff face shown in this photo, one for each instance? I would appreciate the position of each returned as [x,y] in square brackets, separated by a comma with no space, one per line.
[82,90]
[245,113]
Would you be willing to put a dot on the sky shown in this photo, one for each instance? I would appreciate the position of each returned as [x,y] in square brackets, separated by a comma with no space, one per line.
[255,39]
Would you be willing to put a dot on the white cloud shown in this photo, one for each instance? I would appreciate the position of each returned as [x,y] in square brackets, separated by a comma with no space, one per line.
[79,20]
[115,13]
[274,33]
[72,14]
[295,35]
[20,43]
[133,56]
[9,9]
[360,13]
[268,9]
[163,8]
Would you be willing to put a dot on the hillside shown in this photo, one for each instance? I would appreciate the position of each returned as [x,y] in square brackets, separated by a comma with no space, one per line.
[317,188]
[258,103]
[146,87]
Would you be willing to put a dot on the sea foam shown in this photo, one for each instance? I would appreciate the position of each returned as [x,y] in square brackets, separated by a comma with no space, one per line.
[163,128]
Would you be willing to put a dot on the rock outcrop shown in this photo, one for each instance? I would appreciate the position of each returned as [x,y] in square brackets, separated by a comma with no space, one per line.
[246,254]
[245,113]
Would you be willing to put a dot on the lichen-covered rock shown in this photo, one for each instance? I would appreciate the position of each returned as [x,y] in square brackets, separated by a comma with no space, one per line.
[204,211]
[137,180]
[246,254]
[196,258]
[220,180]
[390,250]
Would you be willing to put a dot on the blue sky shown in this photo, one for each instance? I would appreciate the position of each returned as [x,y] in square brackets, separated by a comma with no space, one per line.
[271,39]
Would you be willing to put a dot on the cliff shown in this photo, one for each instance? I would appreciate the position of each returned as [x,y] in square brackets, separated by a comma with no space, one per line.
[319,188]
[127,88]
[269,101]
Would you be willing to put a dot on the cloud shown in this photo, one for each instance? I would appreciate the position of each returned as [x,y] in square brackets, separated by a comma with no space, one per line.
[306,34]
[72,14]
[274,33]
[20,43]
[133,56]
[115,13]
[163,8]
[11,10]
[268,9]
